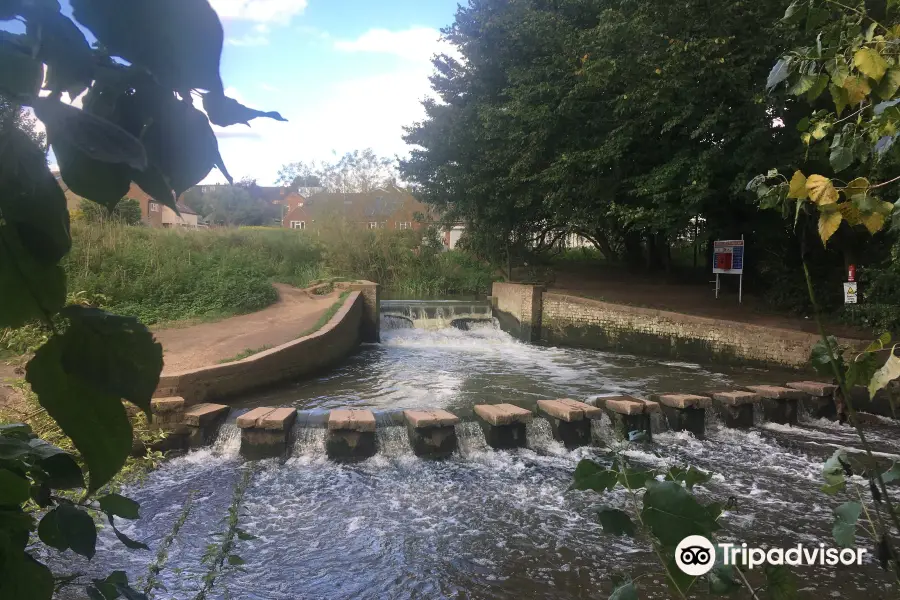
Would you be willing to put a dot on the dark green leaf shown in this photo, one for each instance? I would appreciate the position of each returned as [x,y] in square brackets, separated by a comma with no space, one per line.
[819,357]
[815,17]
[625,591]
[616,522]
[154,183]
[179,41]
[129,543]
[17,525]
[102,182]
[77,528]
[182,145]
[780,583]
[592,476]
[803,124]
[130,594]
[225,111]
[634,479]
[722,578]
[21,431]
[63,471]
[841,158]
[795,12]
[41,495]
[24,578]
[70,64]
[845,517]
[243,535]
[861,369]
[93,136]
[817,88]
[892,474]
[33,205]
[677,579]
[779,73]
[49,533]
[14,489]
[119,506]
[32,289]
[234,560]
[13,448]
[81,411]
[690,476]
[22,75]
[116,355]
[671,513]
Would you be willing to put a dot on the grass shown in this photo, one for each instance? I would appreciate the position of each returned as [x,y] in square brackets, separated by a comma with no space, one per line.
[326,316]
[247,352]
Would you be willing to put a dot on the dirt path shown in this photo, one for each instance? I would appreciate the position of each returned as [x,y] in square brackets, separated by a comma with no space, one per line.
[209,343]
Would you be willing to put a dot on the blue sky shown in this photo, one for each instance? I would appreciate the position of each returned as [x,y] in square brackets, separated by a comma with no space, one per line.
[347,74]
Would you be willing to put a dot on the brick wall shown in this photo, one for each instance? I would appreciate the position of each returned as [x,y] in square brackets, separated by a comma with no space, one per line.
[574,321]
[519,309]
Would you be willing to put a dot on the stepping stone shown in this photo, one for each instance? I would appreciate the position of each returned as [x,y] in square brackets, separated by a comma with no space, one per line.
[685,412]
[629,414]
[167,411]
[432,433]
[736,408]
[779,403]
[813,388]
[351,435]
[250,419]
[203,421]
[280,419]
[570,420]
[820,403]
[503,424]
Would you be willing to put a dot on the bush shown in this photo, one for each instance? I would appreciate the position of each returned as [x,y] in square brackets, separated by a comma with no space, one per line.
[126,212]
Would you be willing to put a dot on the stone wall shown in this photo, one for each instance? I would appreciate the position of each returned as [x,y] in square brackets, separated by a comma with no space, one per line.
[518,308]
[371,317]
[574,321]
[302,357]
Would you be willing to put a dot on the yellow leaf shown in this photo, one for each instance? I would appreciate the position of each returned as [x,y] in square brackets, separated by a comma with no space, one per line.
[798,186]
[886,208]
[873,222]
[839,95]
[857,187]
[870,63]
[857,89]
[821,190]
[828,224]
[820,130]
[806,138]
[850,213]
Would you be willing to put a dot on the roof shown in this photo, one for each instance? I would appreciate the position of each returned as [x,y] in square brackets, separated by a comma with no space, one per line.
[185,209]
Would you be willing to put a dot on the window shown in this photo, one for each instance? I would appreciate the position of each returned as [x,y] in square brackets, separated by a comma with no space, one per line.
[404,225]
[373,225]
[298,224]
[154,207]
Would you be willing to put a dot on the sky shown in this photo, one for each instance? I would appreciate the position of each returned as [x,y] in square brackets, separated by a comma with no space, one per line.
[347,74]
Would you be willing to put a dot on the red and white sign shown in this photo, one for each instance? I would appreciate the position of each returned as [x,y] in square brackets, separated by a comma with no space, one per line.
[728,257]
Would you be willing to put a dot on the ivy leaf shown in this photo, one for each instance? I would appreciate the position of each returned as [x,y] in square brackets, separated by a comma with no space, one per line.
[690,476]
[779,73]
[870,63]
[840,98]
[22,75]
[77,529]
[858,89]
[624,591]
[886,374]
[671,513]
[179,41]
[616,522]
[14,489]
[117,355]
[780,583]
[592,476]
[889,84]
[821,190]
[120,506]
[81,410]
[225,111]
[828,224]
[841,158]
[96,137]
[845,517]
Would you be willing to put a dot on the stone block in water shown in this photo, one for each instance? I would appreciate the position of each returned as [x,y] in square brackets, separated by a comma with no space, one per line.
[736,408]
[685,412]
[351,435]
[570,420]
[779,403]
[820,401]
[629,414]
[503,424]
[203,421]
[432,433]
[265,432]
[167,412]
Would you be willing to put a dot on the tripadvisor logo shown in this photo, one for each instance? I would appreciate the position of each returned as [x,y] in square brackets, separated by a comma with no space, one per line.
[695,555]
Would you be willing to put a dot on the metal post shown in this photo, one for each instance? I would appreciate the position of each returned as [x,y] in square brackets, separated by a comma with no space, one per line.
[717,286]
[743,260]
[741,289]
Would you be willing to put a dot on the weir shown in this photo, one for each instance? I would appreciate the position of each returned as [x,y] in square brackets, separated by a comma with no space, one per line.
[434,314]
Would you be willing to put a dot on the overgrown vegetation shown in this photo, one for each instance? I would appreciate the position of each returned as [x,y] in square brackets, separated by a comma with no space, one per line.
[245,353]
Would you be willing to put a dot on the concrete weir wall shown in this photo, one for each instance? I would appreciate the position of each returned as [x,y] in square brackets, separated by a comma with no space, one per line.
[565,320]
[304,356]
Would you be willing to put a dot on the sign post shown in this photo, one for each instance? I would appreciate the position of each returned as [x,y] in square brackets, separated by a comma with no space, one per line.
[728,259]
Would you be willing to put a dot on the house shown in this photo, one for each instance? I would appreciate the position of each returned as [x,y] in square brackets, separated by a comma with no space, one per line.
[153,214]
[390,207]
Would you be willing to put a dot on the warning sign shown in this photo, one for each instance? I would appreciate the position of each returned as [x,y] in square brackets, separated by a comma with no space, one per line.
[850,291]
[728,257]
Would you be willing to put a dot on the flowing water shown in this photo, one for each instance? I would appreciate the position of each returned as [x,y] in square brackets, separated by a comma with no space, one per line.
[484,523]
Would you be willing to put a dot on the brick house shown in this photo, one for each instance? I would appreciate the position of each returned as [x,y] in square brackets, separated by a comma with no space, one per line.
[153,214]
[385,208]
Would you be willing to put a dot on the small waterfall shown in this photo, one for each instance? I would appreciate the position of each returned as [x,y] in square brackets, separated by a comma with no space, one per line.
[658,423]
[228,440]
[470,438]
[392,441]
[539,437]
[308,441]
[395,322]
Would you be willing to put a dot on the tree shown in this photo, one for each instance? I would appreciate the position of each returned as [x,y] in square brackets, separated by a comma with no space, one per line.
[234,205]
[152,60]
[127,212]
[13,115]
[355,172]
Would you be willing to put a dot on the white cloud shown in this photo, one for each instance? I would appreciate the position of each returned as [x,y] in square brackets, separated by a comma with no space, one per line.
[249,39]
[261,11]
[416,43]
